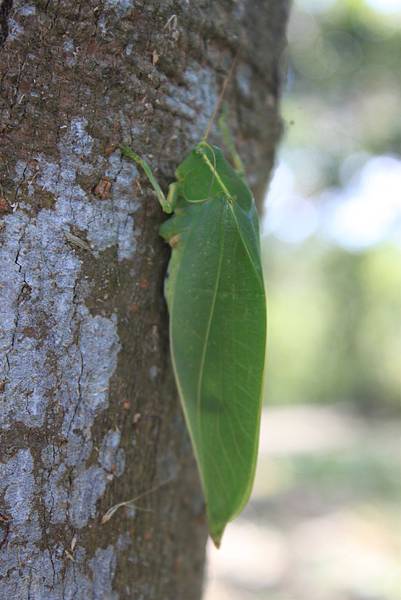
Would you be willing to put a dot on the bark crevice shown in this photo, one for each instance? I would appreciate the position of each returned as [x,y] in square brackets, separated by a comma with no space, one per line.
[5,10]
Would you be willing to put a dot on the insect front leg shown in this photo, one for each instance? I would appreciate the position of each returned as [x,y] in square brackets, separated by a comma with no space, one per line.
[165,203]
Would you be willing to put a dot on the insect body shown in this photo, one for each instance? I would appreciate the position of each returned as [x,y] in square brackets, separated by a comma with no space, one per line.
[216,301]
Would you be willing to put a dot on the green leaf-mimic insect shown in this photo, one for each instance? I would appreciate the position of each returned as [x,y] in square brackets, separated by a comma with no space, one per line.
[216,301]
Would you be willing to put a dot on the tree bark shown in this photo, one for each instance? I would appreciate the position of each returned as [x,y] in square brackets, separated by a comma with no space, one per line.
[89,415]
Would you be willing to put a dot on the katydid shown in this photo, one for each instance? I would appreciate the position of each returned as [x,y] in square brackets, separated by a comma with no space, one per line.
[217,309]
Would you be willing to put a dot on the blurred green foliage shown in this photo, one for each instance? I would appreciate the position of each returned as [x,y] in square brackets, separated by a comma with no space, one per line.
[335,316]
[335,325]
[344,87]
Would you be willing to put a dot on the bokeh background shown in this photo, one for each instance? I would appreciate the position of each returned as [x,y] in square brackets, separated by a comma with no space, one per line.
[324,521]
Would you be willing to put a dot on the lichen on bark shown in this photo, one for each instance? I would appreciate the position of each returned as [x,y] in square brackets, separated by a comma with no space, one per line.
[88,409]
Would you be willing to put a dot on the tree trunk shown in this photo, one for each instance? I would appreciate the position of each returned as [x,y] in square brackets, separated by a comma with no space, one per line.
[89,415]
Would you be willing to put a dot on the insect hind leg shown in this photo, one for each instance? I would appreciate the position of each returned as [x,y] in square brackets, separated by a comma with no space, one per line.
[229,143]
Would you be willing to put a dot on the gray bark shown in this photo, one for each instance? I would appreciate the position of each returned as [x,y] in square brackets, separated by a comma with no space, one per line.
[89,415]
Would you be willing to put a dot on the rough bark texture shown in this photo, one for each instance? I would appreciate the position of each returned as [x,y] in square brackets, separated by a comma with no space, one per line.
[88,410]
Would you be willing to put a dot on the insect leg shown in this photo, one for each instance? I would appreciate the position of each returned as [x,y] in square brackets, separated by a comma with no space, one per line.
[229,143]
[172,195]
[212,166]
[165,203]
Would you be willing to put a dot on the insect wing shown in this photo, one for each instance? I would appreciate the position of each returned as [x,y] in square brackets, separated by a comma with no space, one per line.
[217,330]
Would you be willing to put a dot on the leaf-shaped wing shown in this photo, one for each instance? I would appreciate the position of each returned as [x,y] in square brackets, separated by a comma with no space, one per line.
[218,330]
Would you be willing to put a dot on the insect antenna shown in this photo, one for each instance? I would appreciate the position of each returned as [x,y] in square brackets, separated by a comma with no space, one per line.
[221,96]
